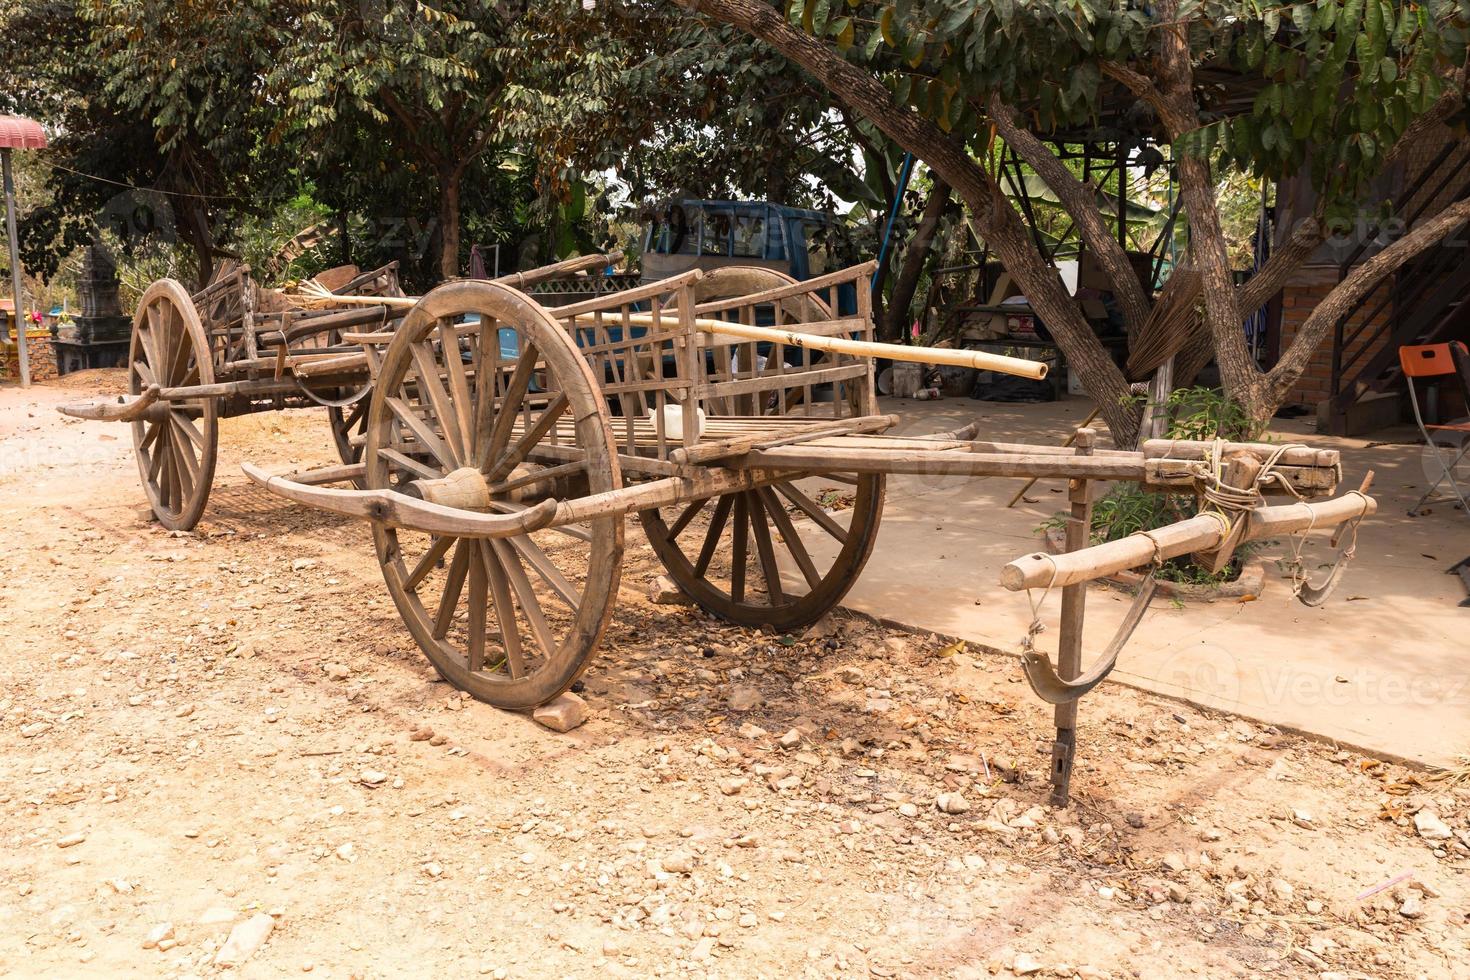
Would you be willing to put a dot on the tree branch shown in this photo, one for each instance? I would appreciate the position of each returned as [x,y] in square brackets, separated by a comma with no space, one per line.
[1080,202]
[1359,283]
[1257,291]
[414,140]
[1180,114]
[1136,82]
[1448,103]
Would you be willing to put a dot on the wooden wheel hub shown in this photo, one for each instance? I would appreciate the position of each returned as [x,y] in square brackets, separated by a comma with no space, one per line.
[464,488]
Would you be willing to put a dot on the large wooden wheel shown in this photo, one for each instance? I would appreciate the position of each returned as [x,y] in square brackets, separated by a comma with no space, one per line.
[349,432]
[478,387]
[175,442]
[726,552]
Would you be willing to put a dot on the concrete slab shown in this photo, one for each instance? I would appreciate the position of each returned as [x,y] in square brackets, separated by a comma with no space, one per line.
[1384,665]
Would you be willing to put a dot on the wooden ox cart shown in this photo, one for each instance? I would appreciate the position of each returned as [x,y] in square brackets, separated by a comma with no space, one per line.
[504,443]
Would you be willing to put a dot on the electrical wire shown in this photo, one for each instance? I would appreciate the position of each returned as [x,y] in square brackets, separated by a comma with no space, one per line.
[136,187]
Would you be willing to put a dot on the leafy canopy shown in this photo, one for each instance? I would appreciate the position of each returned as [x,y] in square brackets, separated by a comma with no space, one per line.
[1343,77]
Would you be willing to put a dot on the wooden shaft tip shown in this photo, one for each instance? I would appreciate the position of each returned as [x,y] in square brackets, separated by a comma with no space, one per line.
[1013,574]
[256,473]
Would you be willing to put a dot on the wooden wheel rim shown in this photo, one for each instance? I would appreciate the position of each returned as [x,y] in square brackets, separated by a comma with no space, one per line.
[752,511]
[174,447]
[563,363]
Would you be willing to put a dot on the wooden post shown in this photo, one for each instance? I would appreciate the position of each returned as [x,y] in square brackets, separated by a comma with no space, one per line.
[19,318]
[1156,415]
[1069,642]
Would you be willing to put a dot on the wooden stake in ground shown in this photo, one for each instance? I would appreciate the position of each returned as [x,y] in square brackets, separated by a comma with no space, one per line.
[1069,642]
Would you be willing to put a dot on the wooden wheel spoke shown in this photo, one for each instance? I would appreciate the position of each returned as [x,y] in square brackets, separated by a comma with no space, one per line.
[479,594]
[516,455]
[459,388]
[540,476]
[712,535]
[787,530]
[178,358]
[813,510]
[159,439]
[168,474]
[739,544]
[549,573]
[409,464]
[149,334]
[505,614]
[525,596]
[150,436]
[688,515]
[426,564]
[186,426]
[510,403]
[145,372]
[453,585]
[765,551]
[431,386]
[183,448]
[425,434]
[487,374]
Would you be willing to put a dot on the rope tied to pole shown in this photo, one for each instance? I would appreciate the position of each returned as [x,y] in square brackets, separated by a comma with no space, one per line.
[1232,504]
[1314,595]
[1037,627]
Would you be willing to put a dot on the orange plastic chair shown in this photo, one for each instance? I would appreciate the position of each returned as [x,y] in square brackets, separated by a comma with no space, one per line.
[1438,361]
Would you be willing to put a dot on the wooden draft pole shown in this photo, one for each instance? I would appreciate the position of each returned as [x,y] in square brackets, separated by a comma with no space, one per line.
[1091,416]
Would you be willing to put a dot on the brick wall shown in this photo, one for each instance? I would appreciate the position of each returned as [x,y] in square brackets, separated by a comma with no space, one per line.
[1300,297]
[40,357]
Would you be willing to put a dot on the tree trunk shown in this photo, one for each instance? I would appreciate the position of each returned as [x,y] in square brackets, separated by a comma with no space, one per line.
[994,216]
[895,322]
[1239,374]
[449,186]
[194,229]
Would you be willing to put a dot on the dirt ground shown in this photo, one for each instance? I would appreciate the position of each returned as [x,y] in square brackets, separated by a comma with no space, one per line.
[200,729]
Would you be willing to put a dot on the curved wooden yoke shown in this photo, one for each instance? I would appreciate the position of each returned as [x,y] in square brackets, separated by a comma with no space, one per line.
[401,510]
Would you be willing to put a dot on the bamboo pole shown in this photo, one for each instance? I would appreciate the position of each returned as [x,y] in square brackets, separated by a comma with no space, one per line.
[979,360]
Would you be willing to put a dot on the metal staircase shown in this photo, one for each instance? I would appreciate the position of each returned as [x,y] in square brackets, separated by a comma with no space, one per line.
[1428,299]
